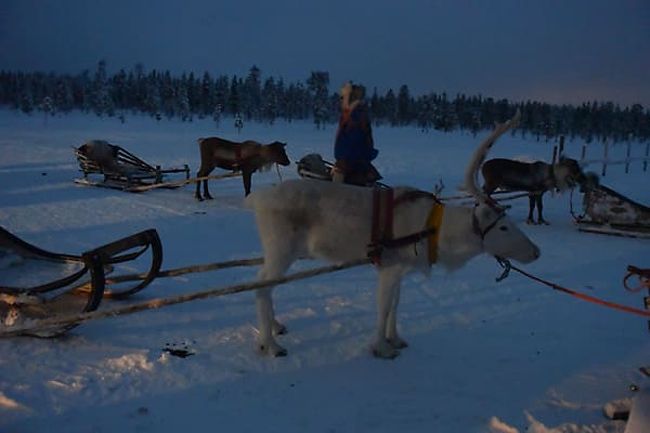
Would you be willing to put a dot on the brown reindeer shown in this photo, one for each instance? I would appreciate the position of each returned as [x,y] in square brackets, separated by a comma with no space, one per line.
[534,177]
[247,157]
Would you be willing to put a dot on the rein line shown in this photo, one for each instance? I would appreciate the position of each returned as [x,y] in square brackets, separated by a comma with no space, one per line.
[505,263]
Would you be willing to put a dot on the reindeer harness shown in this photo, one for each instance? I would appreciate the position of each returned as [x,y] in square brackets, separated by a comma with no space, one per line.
[382,237]
[384,204]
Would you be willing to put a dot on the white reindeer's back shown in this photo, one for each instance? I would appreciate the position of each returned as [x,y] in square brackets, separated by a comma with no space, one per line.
[313,218]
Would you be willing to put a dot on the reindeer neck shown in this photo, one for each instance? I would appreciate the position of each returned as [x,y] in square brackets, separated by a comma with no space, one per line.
[458,241]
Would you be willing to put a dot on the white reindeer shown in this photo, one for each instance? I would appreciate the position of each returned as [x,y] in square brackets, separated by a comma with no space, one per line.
[329,221]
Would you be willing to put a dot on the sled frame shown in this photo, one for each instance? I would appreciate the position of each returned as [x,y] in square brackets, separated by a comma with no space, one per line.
[94,263]
[137,172]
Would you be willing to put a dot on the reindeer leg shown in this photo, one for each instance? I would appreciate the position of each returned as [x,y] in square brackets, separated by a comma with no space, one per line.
[203,171]
[531,207]
[197,194]
[267,324]
[540,207]
[391,327]
[388,282]
[266,344]
[246,176]
[206,192]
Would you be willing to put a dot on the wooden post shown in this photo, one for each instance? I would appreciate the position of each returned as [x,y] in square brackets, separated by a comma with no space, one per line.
[606,154]
[583,153]
[553,159]
[647,154]
[627,158]
[561,150]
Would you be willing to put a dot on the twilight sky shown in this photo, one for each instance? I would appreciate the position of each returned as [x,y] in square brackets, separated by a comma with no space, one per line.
[556,51]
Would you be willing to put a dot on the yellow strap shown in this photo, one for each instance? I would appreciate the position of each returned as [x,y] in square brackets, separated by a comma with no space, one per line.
[434,221]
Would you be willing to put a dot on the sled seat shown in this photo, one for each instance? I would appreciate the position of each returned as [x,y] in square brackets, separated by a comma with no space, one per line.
[37,284]
[119,167]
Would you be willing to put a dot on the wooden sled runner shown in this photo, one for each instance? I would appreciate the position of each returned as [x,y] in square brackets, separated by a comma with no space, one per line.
[37,284]
[609,212]
[120,169]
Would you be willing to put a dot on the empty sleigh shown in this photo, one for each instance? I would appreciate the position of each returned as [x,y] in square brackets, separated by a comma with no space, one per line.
[118,168]
[609,212]
[36,284]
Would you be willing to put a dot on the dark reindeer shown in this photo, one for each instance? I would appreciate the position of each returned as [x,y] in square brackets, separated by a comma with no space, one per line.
[533,177]
[247,157]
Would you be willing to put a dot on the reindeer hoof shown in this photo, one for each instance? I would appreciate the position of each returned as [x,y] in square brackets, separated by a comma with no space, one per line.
[198,197]
[530,221]
[272,349]
[279,328]
[398,343]
[543,222]
[208,197]
[384,350]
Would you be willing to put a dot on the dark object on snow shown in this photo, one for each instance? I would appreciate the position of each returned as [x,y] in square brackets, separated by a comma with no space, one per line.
[533,177]
[72,283]
[246,157]
[182,352]
[121,169]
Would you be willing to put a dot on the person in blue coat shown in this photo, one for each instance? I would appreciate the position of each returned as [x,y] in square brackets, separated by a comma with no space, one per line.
[354,146]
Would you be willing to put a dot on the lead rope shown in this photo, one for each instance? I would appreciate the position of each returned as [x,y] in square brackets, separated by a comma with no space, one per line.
[505,263]
[576,218]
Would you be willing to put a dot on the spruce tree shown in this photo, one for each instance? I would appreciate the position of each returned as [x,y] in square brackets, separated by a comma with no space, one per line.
[318,84]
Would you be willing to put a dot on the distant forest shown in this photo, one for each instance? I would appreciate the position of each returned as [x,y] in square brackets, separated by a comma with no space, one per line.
[266,99]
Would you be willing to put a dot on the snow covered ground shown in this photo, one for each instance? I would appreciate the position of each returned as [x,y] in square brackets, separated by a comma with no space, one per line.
[483,356]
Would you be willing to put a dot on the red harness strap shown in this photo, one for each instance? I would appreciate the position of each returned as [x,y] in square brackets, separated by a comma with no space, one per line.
[383,206]
[383,209]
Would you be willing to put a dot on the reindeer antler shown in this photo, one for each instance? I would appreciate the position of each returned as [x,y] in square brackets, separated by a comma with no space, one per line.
[471,173]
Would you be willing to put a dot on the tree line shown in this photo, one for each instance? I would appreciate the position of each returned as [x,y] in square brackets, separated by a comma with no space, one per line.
[162,94]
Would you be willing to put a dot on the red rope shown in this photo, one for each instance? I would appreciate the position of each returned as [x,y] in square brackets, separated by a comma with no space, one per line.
[584,297]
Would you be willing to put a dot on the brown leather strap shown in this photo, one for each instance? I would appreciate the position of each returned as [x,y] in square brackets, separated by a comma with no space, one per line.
[382,221]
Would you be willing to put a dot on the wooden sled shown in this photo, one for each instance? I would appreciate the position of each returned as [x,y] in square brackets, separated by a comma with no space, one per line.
[124,171]
[313,166]
[36,284]
[609,212]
